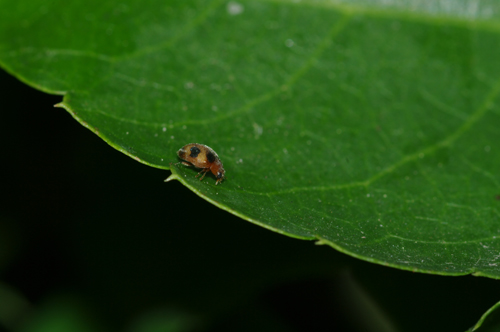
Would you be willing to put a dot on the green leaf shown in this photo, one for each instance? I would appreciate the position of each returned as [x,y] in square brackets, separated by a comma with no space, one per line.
[370,128]
[489,321]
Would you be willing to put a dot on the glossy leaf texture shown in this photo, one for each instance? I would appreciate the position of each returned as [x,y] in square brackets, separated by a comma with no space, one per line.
[369,127]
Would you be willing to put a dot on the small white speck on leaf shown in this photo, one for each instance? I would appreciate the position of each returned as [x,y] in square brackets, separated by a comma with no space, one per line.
[257,130]
[234,8]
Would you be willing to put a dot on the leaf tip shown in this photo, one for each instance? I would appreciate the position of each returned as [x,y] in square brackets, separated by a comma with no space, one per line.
[172,177]
[320,242]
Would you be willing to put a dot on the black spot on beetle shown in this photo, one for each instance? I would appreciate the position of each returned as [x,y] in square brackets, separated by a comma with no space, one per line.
[219,175]
[210,157]
[194,152]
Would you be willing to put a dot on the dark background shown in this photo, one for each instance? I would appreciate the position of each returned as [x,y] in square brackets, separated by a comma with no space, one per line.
[89,233]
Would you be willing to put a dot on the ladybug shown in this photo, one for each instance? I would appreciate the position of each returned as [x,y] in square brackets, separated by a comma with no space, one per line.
[204,157]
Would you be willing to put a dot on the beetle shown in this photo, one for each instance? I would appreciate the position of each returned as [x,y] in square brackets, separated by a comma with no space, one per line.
[204,157]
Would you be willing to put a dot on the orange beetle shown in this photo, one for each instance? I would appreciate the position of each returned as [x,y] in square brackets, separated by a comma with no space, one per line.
[204,157]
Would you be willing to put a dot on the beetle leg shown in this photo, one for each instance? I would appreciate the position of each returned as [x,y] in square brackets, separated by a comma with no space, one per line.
[204,171]
[184,163]
[204,174]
